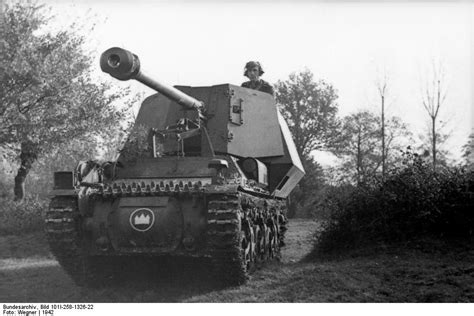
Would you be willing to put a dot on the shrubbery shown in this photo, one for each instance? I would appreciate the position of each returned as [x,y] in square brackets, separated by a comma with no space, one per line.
[413,201]
[21,217]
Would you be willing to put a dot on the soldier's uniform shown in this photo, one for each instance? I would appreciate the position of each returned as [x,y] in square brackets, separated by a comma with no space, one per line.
[257,83]
[260,85]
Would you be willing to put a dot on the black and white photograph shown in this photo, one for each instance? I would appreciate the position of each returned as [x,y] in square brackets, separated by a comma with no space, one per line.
[236,151]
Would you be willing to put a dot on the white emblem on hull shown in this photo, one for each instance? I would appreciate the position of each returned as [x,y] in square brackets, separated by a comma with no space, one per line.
[142,219]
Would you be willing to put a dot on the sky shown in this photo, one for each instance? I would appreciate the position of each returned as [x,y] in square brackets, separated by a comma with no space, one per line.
[348,44]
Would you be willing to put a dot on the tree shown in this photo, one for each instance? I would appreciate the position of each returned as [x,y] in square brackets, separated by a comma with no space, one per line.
[382,88]
[40,178]
[302,198]
[47,94]
[310,110]
[358,144]
[468,152]
[433,96]
[425,148]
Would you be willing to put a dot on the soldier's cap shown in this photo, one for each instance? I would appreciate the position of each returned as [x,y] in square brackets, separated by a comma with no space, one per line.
[252,64]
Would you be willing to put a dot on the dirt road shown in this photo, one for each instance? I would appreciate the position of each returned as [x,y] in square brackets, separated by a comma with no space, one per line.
[28,273]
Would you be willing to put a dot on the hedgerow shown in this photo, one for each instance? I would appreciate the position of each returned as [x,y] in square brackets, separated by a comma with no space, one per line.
[413,201]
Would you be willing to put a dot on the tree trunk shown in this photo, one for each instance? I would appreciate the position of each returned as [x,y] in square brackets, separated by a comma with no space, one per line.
[383,138]
[27,157]
[433,131]
[291,208]
[359,159]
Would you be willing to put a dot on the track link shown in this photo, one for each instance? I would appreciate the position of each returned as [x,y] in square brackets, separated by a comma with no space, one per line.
[241,237]
[224,238]
[63,231]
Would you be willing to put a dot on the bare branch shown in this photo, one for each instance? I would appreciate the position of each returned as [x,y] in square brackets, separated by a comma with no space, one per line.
[433,99]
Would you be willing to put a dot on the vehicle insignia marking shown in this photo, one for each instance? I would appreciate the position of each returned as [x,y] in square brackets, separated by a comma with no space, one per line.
[142,219]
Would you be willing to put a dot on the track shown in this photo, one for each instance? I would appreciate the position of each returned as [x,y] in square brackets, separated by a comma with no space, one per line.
[226,240]
[63,231]
[29,274]
[243,232]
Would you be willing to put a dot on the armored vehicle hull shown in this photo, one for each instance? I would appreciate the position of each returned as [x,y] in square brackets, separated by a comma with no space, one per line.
[195,179]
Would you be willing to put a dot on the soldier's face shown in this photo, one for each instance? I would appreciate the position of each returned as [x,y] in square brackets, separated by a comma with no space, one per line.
[253,73]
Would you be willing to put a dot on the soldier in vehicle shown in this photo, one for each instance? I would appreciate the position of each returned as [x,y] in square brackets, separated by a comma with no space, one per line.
[253,70]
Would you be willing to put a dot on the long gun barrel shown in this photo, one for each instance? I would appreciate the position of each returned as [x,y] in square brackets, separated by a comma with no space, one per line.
[124,65]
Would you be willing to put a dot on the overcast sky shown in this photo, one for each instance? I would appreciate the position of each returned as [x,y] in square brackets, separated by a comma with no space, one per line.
[347,43]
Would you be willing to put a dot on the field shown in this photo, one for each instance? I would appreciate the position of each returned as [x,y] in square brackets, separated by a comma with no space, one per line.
[419,272]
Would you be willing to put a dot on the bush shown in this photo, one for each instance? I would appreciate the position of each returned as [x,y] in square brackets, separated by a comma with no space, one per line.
[21,217]
[413,201]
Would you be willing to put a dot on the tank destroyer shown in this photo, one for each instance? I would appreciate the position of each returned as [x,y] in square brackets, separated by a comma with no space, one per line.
[205,172]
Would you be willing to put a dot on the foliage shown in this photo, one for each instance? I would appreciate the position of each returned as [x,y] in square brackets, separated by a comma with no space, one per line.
[6,171]
[304,195]
[310,110]
[47,94]
[66,158]
[468,152]
[21,217]
[40,180]
[425,147]
[433,96]
[358,144]
[413,201]
[137,145]
[113,146]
